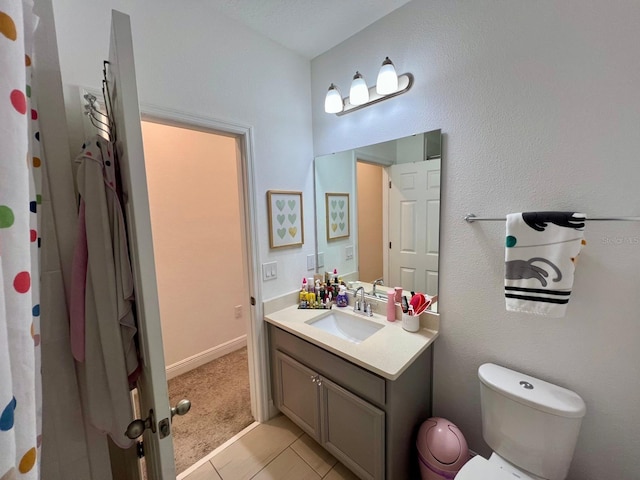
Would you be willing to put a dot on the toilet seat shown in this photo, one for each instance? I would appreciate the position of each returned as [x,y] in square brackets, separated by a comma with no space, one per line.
[479,468]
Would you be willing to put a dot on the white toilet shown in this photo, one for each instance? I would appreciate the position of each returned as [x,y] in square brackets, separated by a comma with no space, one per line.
[531,425]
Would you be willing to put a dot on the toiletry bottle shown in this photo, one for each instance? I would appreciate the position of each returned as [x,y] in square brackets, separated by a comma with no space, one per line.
[398,296]
[304,284]
[391,306]
[342,300]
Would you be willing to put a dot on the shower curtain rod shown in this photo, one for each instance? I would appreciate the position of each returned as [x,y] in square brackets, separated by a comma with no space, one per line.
[470,218]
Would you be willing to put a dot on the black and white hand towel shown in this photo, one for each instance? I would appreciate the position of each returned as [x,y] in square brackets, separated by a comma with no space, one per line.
[540,256]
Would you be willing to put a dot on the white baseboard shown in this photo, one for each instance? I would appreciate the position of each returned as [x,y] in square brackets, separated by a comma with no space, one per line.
[188,364]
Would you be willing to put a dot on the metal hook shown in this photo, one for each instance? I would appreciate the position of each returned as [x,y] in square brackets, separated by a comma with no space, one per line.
[98,126]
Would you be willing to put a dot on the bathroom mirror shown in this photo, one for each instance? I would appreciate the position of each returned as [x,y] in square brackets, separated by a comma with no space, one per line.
[385,232]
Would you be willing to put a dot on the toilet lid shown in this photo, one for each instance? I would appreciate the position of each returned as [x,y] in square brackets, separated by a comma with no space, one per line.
[479,468]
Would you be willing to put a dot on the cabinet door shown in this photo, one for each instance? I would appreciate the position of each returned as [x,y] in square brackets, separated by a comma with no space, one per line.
[353,431]
[297,393]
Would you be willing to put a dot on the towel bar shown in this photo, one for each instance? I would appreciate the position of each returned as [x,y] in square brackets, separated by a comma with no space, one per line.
[470,218]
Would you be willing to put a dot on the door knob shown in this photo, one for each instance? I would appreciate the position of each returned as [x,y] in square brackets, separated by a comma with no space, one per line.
[138,426]
[182,407]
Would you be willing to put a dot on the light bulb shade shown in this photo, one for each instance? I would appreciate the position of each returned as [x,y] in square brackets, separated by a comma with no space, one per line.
[359,93]
[333,100]
[387,78]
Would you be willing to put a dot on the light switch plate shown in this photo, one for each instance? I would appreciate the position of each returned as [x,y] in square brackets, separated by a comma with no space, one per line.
[348,252]
[311,262]
[320,259]
[269,271]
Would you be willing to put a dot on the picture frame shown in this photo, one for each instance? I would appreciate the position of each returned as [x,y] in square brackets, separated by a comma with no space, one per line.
[286,223]
[337,210]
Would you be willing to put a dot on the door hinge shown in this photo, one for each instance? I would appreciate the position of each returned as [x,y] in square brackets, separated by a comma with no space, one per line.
[389,183]
[389,245]
[253,301]
[139,449]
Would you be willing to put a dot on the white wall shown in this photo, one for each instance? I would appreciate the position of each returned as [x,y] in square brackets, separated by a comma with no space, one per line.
[191,59]
[539,106]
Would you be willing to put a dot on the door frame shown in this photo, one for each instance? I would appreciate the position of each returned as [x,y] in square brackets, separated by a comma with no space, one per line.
[257,348]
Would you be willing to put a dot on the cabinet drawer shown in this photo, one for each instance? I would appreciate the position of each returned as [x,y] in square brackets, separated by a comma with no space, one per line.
[358,380]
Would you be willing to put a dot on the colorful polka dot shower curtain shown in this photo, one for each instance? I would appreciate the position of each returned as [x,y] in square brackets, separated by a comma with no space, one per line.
[20,161]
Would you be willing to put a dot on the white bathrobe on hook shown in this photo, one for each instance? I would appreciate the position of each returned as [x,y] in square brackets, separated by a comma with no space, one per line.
[110,328]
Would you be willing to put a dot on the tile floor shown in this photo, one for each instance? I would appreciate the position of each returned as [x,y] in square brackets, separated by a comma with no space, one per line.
[275,450]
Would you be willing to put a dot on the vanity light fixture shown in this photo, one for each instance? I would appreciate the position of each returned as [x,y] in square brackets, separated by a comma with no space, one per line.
[359,92]
[333,101]
[387,78]
[389,85]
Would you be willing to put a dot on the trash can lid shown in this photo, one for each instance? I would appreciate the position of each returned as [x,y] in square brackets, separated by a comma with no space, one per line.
[442,440]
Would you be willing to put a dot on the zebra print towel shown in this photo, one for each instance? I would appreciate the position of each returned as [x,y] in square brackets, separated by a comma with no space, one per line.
[540,256]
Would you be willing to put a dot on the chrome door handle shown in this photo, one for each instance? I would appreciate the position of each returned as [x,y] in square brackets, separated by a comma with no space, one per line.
[182,407]
[138,426]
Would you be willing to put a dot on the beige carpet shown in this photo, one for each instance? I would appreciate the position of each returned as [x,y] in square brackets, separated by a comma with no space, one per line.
[220,406]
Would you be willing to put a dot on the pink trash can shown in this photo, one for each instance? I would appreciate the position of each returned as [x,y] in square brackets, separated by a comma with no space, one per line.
[442,449]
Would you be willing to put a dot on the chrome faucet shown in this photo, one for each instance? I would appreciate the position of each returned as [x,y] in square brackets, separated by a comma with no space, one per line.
[361,306]
[379,281]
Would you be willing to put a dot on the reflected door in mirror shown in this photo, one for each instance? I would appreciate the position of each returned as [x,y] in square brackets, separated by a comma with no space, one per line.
[414,217]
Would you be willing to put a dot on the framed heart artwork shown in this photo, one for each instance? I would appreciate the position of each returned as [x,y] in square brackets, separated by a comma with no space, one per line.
[286,226]
[337,208]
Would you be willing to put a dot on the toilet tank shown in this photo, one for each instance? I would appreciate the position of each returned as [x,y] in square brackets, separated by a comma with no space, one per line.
[529,422]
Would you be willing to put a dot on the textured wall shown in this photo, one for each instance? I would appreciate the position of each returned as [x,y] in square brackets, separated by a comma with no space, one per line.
[539,106]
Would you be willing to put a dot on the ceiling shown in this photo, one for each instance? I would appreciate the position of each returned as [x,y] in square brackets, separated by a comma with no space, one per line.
[309,27]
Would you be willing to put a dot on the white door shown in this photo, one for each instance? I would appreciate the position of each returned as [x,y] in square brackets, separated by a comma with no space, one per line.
[414,216]
[152,385]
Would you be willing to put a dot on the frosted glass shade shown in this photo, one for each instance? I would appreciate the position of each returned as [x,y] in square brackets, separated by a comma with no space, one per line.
[333,100]
[359,93]
[387,78]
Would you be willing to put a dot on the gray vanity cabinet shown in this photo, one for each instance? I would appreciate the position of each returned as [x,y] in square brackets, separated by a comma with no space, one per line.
[347,426]
[367,422]
[297,395]
[352,430]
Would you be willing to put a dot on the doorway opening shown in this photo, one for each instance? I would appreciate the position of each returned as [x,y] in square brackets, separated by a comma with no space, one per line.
[371,206]
[197,218]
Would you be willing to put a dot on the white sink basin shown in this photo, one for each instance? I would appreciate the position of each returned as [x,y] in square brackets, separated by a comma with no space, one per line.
[348,327]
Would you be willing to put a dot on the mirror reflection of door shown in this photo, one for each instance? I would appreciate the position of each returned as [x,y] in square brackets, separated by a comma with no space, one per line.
[414,219]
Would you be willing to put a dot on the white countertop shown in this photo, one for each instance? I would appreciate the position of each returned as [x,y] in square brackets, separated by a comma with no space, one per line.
[388,352]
